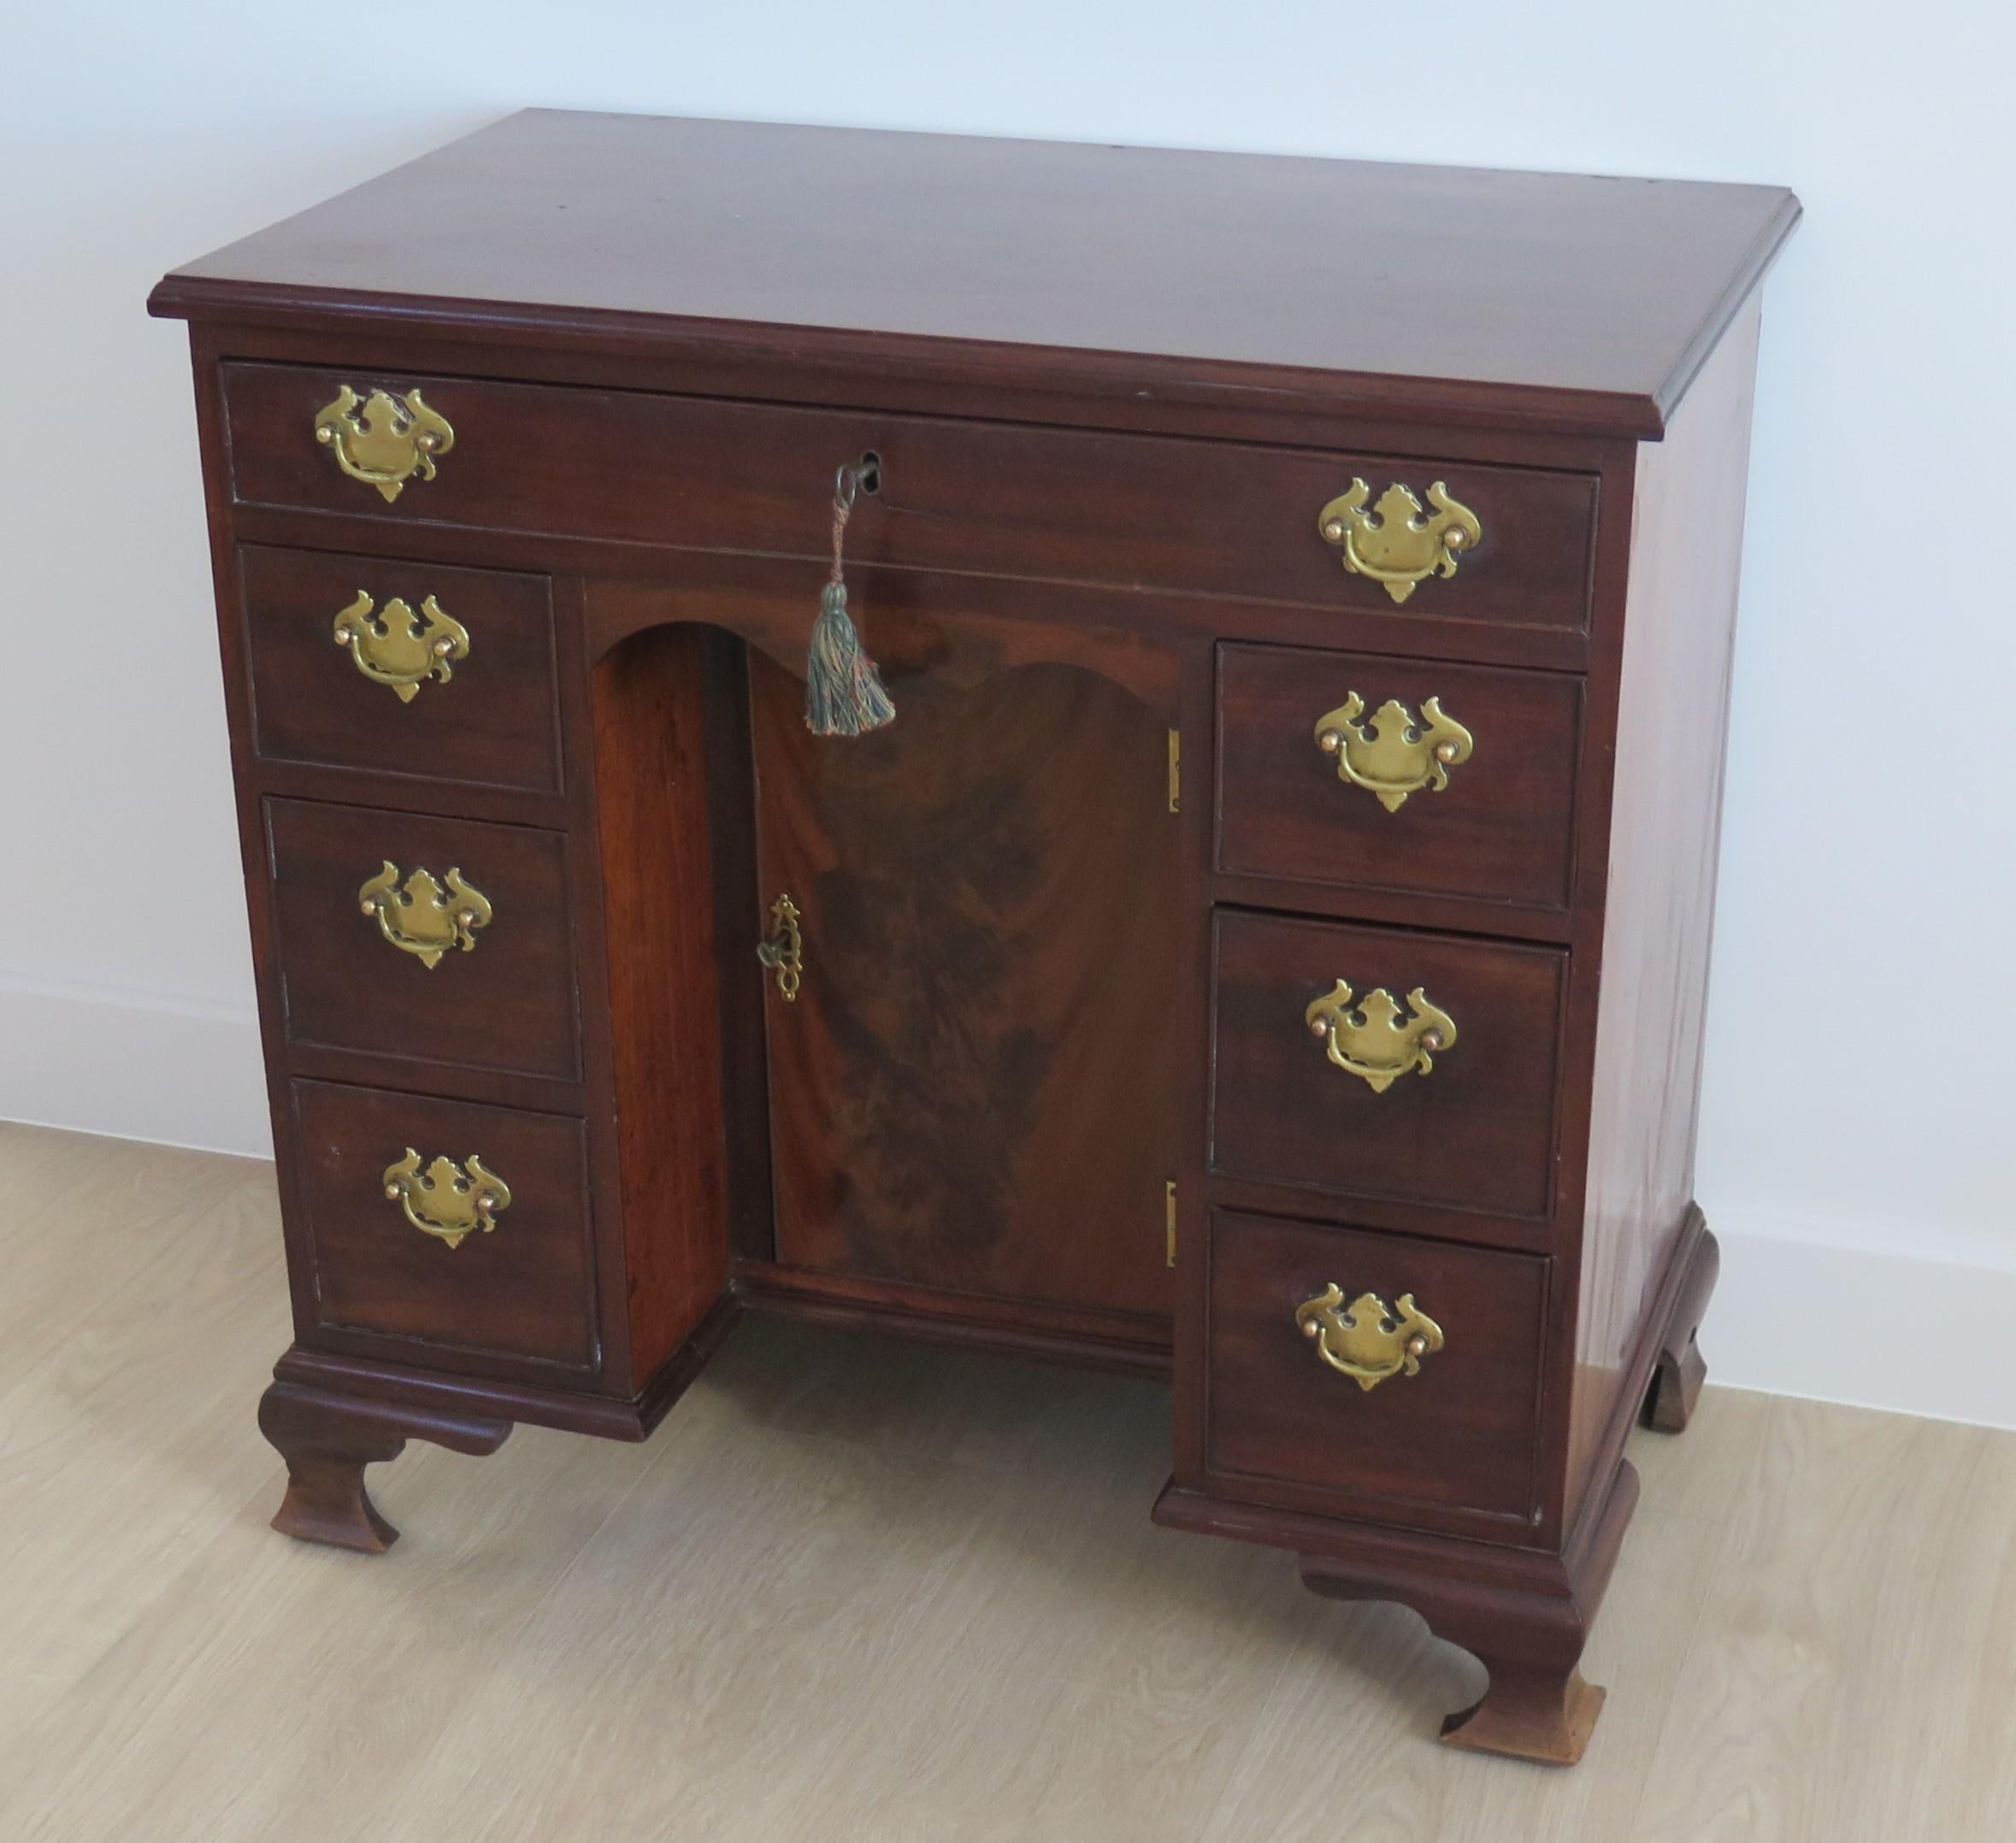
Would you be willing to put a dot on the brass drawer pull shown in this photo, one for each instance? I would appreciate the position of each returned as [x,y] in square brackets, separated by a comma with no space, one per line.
[784,953]
[386,443]
[1366,1339]
[1370,1041]
[447,1200]
[1396,543]
[1397,753]
[400,648]
[424,919]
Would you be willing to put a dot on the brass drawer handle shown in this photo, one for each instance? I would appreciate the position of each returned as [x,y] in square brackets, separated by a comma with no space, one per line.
[424,919]
[1366,1339]
[447,1200]
[386,443]
[1370,1042]
[1396,543]
[784,953]
[1397,753]
[400,648]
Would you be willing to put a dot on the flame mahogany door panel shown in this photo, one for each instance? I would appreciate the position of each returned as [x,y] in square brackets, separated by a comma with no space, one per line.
[972,1093]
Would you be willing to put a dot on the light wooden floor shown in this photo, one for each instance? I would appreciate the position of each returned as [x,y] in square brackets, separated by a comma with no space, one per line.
[858,1590]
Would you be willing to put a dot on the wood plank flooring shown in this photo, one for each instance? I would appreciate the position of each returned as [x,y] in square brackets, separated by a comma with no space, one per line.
[858,1589]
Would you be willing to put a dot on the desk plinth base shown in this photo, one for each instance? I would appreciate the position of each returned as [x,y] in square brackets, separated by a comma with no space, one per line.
[330,1417]
[327,1439]
[1539,1717]
[1524,1614]
[1528,1633]
[1677,1370]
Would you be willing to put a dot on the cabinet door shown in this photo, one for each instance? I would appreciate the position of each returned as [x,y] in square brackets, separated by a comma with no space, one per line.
[973,1089]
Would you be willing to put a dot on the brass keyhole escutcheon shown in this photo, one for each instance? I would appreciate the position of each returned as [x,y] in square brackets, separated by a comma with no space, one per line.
[784,952]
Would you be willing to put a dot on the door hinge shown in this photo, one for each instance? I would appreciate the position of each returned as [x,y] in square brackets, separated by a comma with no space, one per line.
[1169,1220]
[1175,769]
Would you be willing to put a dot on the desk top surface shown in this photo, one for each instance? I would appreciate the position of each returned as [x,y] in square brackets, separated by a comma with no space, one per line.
[1579,303]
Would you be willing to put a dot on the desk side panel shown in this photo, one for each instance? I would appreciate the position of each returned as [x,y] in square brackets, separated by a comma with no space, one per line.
[235,661]
[656,793]
[1665,835]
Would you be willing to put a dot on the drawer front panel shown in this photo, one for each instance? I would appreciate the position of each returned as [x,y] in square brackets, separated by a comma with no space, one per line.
[505,1001]
[1459,1434]
[1475,1131]
[463,688]
[1206,517]
[1310,789]
[521,1291]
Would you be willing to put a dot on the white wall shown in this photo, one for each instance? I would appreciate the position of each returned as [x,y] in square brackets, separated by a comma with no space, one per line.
[1855,1150]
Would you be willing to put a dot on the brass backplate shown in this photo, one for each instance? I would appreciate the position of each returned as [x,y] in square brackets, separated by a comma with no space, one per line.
[1367,1340]
[1368,1037]
[383,441]
[425,917]
[447,1200]
[1397,544]
[1397,753]
[399,648]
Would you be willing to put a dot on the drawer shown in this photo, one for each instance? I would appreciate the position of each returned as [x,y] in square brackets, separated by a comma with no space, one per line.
[402,983]
[458,686]
[520,1290]
[1218,518]
[1459,1435]
[1473,1130]
[1474,797]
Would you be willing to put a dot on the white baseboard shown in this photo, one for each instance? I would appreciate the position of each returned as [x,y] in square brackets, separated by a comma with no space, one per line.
[132,1066]
[1797,1311]
[1916,1331]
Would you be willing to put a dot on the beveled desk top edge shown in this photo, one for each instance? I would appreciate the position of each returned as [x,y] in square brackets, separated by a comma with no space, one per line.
[993,281]
[1094,375]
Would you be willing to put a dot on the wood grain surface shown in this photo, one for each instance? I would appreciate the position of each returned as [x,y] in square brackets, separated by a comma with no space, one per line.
[1502,832]
[1666,831]
[492,724]
[1340,280]
[1460,1438]
[991,498]
[1110,391]
[669,871]
[518,1301]
[1474,1134]
[970,1092]
[506,1003]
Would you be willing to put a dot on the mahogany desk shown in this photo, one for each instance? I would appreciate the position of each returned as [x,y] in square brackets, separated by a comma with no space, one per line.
[1269,943]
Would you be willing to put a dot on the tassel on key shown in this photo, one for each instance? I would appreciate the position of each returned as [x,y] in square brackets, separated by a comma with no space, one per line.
[844,692]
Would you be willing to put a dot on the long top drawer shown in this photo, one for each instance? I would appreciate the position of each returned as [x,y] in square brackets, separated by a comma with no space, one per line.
[1205,517]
